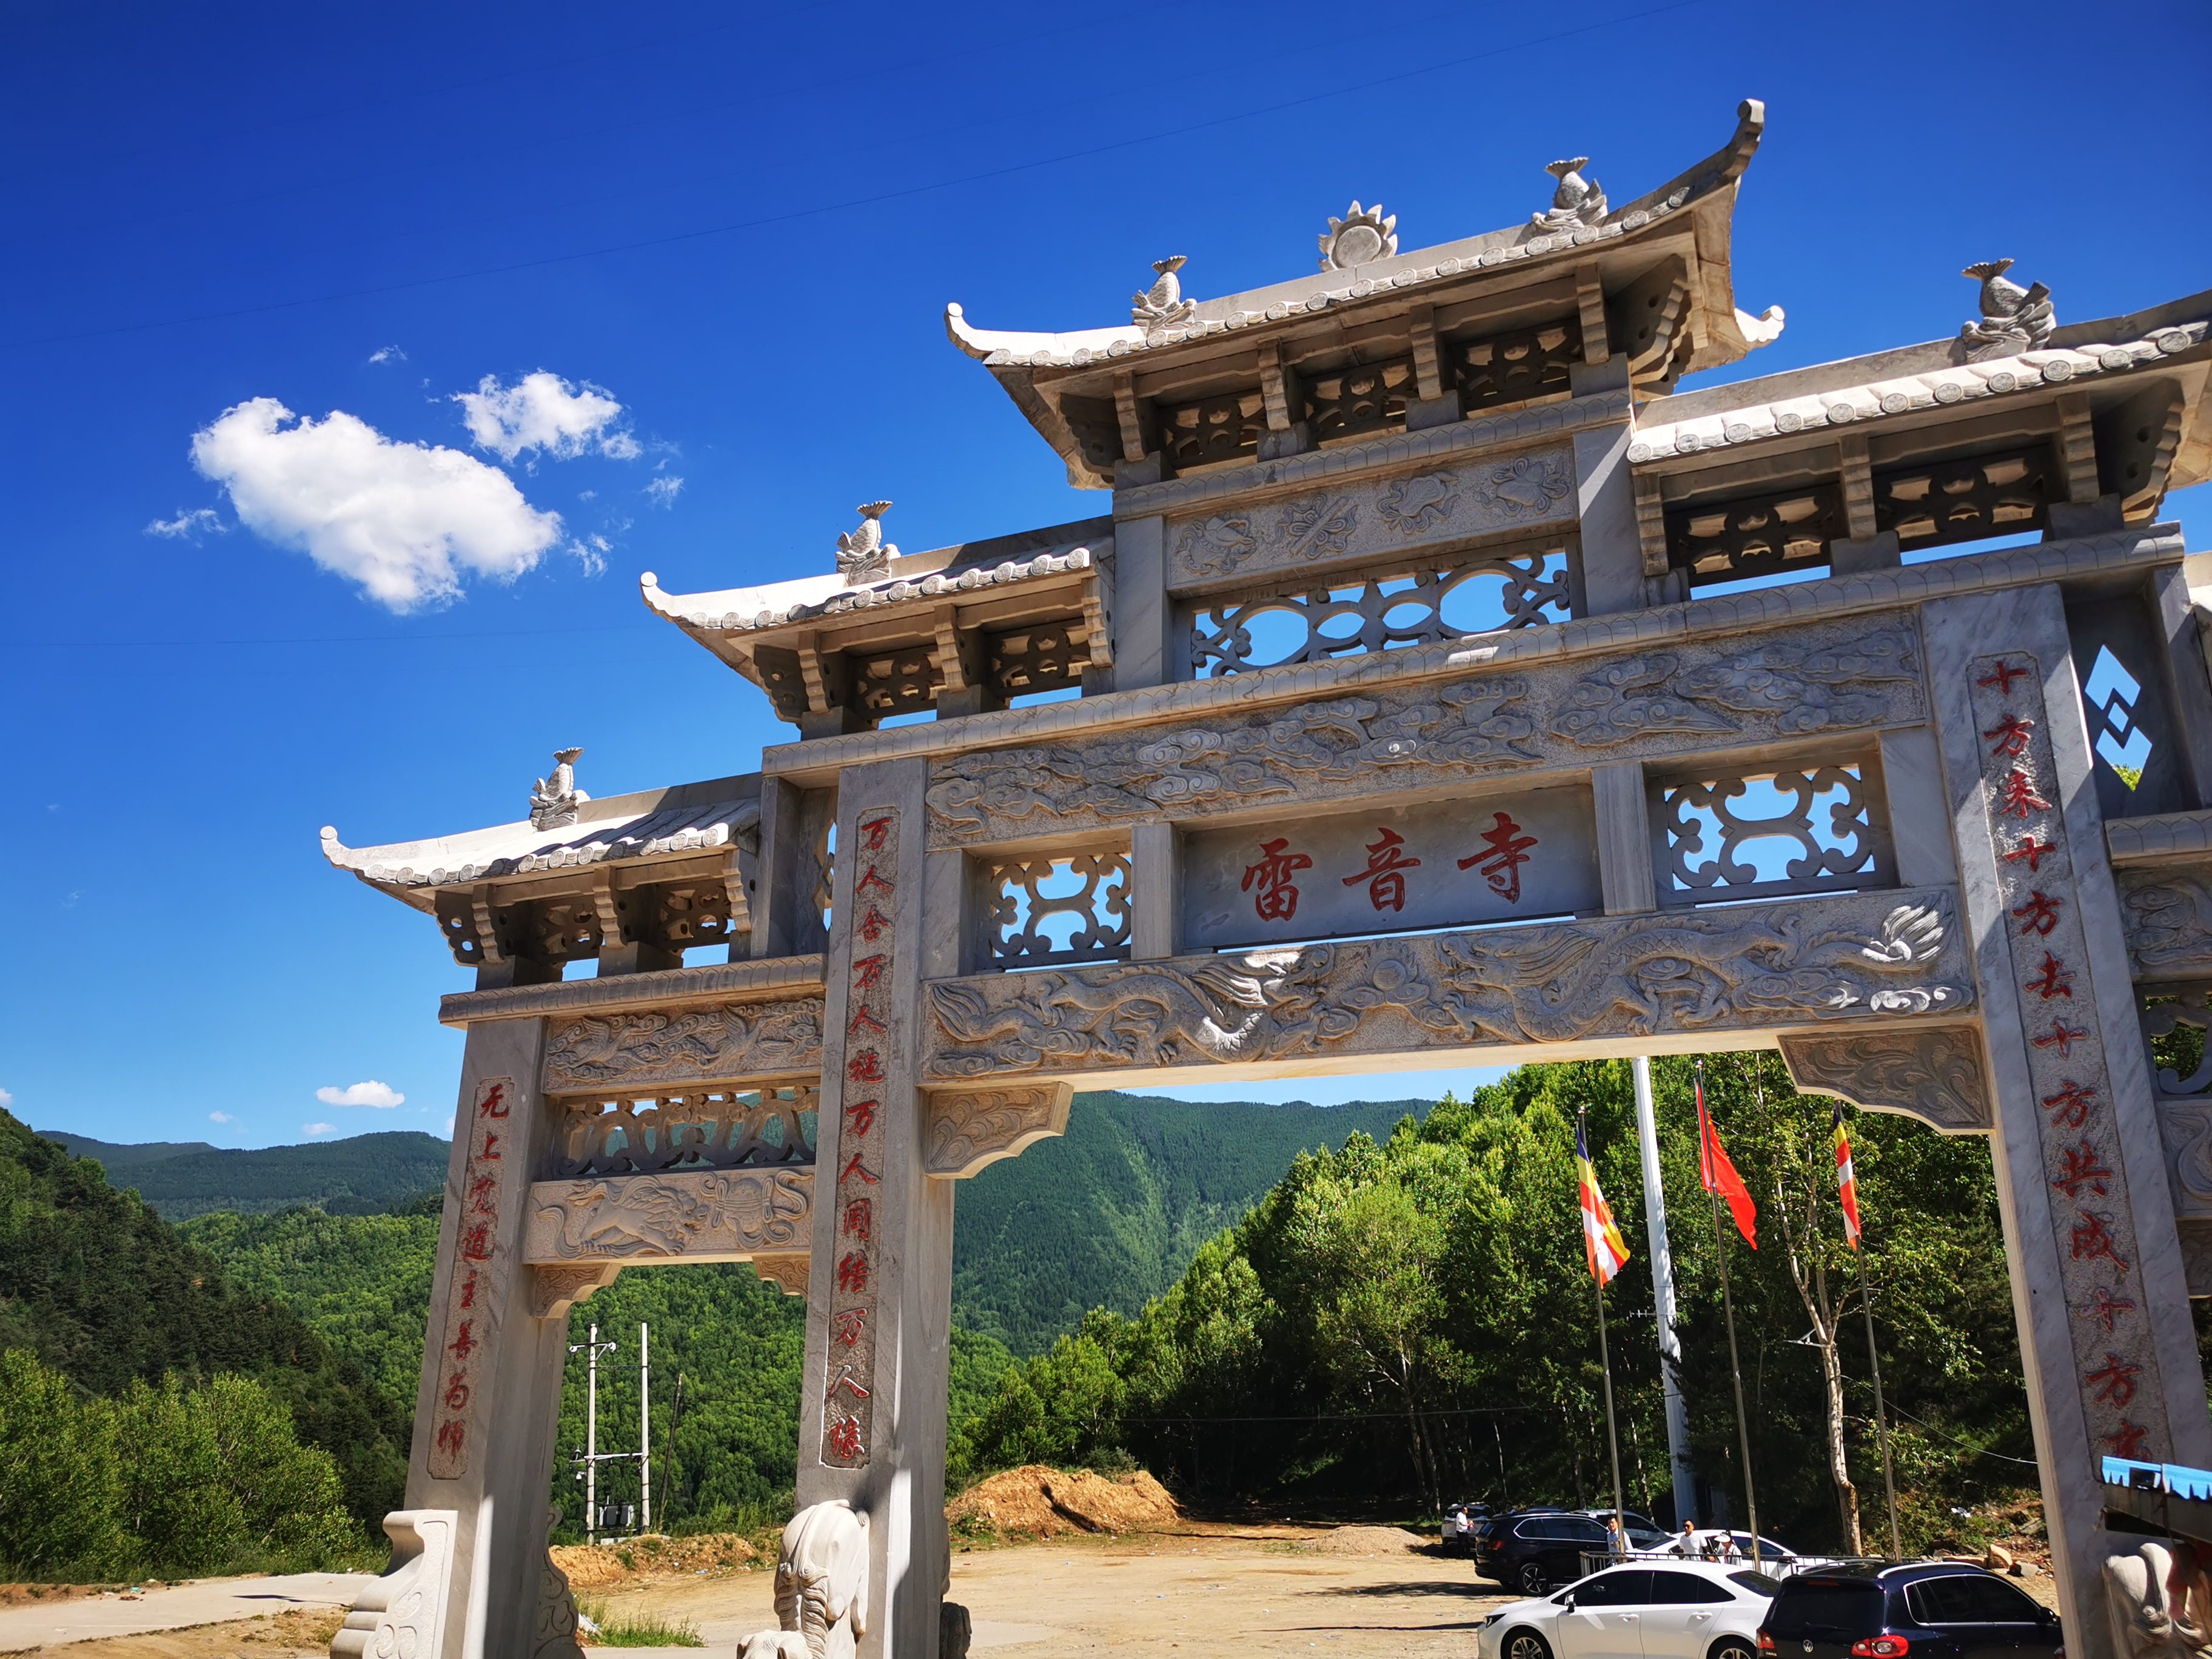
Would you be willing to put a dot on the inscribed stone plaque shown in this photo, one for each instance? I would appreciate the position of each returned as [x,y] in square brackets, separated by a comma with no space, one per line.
[1437,863]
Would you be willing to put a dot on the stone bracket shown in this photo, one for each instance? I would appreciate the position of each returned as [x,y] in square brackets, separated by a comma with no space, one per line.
[554,1290]
[1933,1073]
[969,1129]
[404,1612]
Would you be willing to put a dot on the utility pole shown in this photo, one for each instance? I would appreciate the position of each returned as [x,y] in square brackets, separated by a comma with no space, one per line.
[1663,1295]
[644,1429]
[592,1349]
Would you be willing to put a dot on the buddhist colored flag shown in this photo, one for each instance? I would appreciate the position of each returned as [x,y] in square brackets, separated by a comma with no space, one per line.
[1719,1175]
[1847,1179]
[1606,1251]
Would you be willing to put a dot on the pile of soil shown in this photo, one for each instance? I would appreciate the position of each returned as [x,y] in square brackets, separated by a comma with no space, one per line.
[12,1595]
[1037,1502]
[609,1566]
[1369,1541]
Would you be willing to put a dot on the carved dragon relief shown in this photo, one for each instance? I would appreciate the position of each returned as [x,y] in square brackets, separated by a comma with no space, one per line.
[639,1050]
[1933,1073]
[2166,915]
[970,1128]
[1799,961]
[705,1215]
[1787,685]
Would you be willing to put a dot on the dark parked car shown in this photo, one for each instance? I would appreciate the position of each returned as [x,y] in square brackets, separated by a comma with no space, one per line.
[1926,1610]
[1533,1550]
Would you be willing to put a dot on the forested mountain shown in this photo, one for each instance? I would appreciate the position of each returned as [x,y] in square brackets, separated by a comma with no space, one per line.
[103,1290]
[1108,1215]
[358,1176]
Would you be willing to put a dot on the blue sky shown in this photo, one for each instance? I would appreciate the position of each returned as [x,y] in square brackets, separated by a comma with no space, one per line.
[738,230]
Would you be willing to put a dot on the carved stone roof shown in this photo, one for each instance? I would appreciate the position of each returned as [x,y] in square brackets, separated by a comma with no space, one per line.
[1892,383]
[914,577]
[1514,245]
[653,824]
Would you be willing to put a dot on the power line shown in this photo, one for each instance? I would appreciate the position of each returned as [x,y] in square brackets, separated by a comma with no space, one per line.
[758,223]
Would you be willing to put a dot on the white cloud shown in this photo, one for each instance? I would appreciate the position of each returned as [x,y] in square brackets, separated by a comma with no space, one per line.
[6,1099]
[664,489]
[220,1117]
[404,520]
[544,411]
[190,524]
[370,1093]
[319,1128]
[592,552]
[391,353]
[449,1126]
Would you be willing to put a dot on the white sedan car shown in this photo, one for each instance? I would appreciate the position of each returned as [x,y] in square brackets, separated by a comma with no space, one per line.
[1680,1610]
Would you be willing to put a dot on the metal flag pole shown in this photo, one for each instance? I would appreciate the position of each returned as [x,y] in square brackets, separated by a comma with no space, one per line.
[1662,1297]
[1880,1419]
[644,1430]
[592,1438]
[1605,1365]
[1728,1308]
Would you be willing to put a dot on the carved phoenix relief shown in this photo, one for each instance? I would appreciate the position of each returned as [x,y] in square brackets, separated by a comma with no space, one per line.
[1827,678]
[1737,969]
[735,1040]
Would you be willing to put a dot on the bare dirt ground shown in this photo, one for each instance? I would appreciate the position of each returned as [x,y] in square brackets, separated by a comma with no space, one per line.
[1271,1591]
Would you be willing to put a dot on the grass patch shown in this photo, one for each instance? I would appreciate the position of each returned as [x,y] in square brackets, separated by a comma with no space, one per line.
[636,1630]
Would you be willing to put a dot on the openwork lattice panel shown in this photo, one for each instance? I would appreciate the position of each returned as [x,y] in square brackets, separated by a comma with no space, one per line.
[706,1128]
[1513,368]
[1364,398]
[553,930]
[1756,835]
[1445,602]
[1070,906]
[900,682]
[1213,428]
[1045,657]
[1965,500]
[1755,535]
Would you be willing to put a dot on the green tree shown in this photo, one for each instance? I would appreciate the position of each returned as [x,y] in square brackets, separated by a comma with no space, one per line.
[58,1486]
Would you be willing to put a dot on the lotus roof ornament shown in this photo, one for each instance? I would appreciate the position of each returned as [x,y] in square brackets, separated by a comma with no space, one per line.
[1361,237]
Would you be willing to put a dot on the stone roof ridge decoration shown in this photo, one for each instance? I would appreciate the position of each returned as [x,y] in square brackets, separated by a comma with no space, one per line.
[1162,306]
[2013,318]
[1390,273]
[554,801]
[1360,237]
[652,830]
[1905,393]
[741,611]
[863,555]
[1578,203]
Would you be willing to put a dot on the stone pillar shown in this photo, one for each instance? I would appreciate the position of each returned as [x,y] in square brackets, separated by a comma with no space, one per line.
[2106,1340]
[1143,612]
[487,1408]
[880,1289]
[1605,499]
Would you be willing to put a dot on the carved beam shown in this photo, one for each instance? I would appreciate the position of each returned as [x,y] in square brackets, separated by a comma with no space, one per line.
[1589,297]
[1651,523]
[1683,978]
[2135,446]
[788,1273]
[969,1129]
[705,1215]
[1277,389]
[1856,469]
[554,1290]
[657,1048]
[1933,1073]
[1134,416]
[2077,447]
[1428,371]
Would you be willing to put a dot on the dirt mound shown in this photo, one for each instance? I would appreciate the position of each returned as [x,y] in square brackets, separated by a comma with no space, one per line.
[606,1567]
[1038,1502]
[1369,1541]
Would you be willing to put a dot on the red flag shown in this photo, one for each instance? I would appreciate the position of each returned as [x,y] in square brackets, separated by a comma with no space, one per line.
[1719,1175]
[1847,1181]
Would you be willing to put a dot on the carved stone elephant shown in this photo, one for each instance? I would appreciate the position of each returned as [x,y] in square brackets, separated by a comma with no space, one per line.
[775,1644]
[821,1585]
[2160,1602]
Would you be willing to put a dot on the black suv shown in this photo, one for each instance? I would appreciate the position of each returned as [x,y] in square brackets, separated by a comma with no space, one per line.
[1535,1550]
[1928,1610]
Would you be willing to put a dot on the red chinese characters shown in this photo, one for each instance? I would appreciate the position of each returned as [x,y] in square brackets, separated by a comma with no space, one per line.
[2071,1106]
[2040,914]
[1274,895]
[2081,1169]
[847,1421]
[2016,796]
[477,1252]
[1505,850]
[1385,874]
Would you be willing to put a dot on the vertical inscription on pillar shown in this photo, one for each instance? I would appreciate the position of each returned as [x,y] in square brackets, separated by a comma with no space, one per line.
[848,1397]
[483,1259]
[2090,1209]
